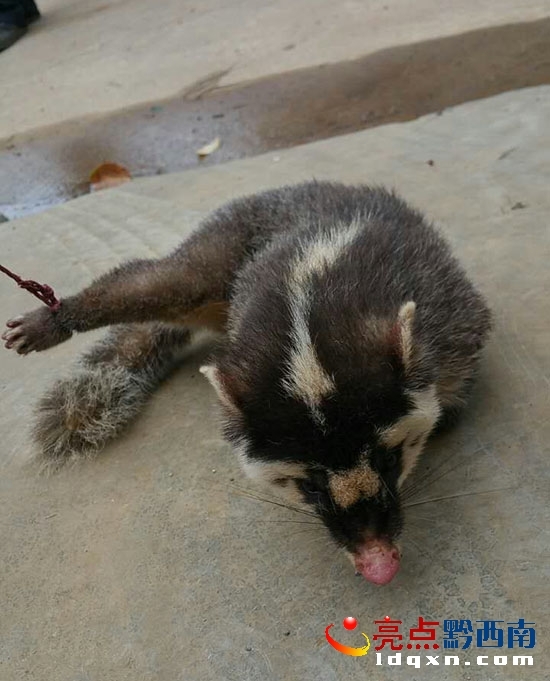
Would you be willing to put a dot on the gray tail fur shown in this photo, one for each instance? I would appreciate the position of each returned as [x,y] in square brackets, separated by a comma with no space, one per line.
[78,415]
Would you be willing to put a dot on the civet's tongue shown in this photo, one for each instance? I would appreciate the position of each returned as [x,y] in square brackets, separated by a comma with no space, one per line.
[377,560]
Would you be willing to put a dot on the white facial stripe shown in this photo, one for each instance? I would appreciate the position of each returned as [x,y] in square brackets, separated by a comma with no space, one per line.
[272,473]
[413,429]
[409,456]
[306,378]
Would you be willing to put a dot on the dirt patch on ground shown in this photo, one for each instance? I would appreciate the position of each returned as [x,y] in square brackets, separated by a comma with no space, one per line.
[397,84]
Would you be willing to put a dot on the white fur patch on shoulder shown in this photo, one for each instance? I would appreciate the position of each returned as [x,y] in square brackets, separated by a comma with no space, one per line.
[306,378]
[406,321]
[323,251]
[413,429]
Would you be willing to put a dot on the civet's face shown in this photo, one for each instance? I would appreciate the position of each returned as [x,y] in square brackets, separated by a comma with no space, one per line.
[345,460]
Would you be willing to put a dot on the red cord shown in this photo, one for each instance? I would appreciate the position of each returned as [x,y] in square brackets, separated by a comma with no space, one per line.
[42,291]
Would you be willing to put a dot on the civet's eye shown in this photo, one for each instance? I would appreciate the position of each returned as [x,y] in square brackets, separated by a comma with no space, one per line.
[309,487]
[391,457]
[314,487]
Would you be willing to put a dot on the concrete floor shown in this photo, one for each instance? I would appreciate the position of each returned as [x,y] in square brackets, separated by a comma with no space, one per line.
[52,164]
[90,57]
[148,562]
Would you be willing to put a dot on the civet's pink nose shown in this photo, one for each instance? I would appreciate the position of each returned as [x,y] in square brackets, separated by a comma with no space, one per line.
[377,560]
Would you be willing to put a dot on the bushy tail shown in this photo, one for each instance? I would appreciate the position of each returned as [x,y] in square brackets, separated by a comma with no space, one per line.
[80,414]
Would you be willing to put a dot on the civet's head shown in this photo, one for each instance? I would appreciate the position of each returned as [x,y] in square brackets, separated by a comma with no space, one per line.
[335,424]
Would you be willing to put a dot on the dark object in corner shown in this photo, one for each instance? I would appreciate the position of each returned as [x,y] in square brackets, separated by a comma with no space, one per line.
[15,17]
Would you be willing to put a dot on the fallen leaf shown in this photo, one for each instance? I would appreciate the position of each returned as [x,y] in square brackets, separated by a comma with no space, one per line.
[108,175]
[208,148]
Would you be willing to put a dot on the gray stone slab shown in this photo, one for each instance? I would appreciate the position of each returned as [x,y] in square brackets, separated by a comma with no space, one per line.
[148,562]
[110,56]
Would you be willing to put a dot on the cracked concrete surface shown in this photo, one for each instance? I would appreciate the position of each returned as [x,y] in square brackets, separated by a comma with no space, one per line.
[149,563]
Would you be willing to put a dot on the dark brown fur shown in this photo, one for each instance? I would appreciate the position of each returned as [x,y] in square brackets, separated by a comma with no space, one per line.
[232,269]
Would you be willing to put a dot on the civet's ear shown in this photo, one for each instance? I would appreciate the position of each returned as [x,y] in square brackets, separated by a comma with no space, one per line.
[402,332]
[225,387]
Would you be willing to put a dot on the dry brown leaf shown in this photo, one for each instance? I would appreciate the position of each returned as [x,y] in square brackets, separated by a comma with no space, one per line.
[208,148]
[108,175]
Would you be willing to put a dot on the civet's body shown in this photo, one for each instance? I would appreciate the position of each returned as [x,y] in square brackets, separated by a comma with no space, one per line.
[351,332]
